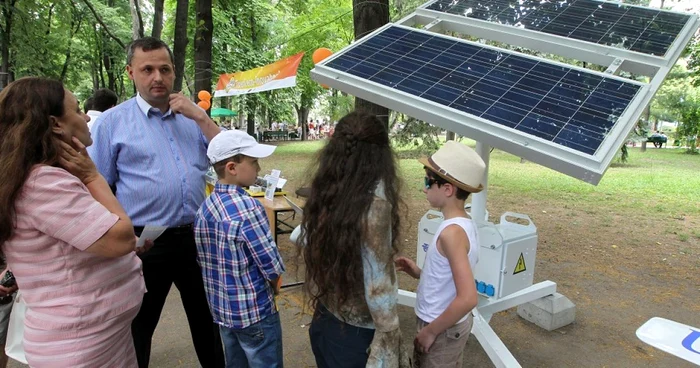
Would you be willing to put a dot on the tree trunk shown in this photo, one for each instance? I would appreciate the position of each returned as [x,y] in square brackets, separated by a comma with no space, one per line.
[202,46]
[157,19]
[250,114]
[111,79]
[333,104]
[302,116]
[368,16]
[180,44]
[78,19]
[136,20]
[647,113]
[6,75]
[100,75]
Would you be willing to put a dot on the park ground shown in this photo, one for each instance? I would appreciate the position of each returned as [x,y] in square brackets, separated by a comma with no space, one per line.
[623,251]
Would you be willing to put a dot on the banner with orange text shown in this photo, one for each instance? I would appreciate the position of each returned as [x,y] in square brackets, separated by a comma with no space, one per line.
[280,74]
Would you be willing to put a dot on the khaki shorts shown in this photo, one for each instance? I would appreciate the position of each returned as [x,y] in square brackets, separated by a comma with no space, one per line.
[448,348]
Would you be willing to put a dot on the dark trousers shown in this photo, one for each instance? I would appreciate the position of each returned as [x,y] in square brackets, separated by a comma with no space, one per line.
[337,344]
[173,259]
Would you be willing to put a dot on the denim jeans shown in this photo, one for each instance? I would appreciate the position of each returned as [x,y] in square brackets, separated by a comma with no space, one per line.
[258,345]
[336,344]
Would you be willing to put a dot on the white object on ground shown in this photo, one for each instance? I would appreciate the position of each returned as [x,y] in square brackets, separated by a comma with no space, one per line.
[672,337]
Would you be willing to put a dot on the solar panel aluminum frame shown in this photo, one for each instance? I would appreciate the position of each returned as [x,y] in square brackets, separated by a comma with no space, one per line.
[635,62]
[589,168]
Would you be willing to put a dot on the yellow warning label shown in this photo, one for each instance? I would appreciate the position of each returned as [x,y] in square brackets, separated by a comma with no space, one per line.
[520,266]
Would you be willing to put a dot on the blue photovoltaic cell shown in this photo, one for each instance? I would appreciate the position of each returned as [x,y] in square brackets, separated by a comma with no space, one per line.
[570,107]
[649,31]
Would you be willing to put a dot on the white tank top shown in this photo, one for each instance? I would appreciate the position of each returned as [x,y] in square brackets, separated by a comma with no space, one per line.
[436,288]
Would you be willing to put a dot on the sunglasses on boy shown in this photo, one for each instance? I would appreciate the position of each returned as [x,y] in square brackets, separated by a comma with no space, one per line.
[428,181]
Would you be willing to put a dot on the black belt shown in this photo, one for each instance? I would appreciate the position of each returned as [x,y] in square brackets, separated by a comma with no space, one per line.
[182,229]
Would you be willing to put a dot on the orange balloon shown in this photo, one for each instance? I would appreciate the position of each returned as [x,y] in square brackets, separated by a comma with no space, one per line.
[204,104]
[321,54]
[204,95]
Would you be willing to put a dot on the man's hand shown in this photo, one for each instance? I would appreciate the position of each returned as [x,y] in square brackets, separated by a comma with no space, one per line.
[406,265]
[424,340]
[5,291]
[180,104]
[146,246]
[75,159]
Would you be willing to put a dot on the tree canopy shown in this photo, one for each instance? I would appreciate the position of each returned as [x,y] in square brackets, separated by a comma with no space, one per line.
[82,43]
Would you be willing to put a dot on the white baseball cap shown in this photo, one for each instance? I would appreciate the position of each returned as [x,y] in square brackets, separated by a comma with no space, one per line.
[236,142]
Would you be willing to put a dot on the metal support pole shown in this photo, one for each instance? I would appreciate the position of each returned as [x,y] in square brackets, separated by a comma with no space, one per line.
[478,209]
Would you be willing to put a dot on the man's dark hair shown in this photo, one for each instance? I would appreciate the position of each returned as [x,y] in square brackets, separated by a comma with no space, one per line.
[103,99]
[147,44]
[89,103]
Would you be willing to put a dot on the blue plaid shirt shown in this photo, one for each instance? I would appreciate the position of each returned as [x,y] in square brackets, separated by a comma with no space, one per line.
[237,255]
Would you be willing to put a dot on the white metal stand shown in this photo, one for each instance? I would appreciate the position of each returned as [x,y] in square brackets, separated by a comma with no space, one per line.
[493,346]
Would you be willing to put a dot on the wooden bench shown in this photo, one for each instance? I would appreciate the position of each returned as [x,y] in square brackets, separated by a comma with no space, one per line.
[277,135]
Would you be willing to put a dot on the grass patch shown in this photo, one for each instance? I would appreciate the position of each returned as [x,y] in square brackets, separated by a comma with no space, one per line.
[662,181]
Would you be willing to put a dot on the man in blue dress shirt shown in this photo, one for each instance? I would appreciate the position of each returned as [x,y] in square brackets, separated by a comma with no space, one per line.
[153,150]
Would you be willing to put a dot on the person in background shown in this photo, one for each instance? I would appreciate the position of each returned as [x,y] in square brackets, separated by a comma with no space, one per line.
[350,237]
[103,100]
[87,106]
[6,302]
[65,236]
[152,148]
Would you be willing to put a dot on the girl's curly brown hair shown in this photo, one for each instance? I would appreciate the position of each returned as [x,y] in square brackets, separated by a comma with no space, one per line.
[357,157]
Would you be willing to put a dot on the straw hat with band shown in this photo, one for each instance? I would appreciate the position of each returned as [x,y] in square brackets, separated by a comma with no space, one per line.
[458,164]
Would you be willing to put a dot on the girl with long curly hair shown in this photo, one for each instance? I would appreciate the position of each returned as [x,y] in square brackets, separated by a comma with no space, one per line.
[63,233]
[350,228]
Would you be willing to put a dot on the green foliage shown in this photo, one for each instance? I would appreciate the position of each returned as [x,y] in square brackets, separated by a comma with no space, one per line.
[63,40]
[335,105]
[414,136]
[314,24]
[678,100]
[694,61]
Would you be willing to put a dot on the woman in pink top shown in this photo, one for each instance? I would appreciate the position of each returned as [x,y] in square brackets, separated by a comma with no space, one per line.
[65,237]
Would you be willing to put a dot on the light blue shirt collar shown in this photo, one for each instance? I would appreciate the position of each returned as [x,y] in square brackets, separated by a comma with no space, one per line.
[145,107]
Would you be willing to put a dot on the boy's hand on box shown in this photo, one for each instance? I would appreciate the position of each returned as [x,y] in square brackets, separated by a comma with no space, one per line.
[424,340]
[408,266]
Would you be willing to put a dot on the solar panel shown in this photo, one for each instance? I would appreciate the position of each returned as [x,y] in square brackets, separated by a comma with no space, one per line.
[644,30]
[563,105]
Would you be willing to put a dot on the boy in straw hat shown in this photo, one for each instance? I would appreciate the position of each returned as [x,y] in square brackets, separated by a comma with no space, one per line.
[446,290]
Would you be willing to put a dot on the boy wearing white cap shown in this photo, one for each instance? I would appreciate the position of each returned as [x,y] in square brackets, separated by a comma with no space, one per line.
[446,291]
[238,256]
